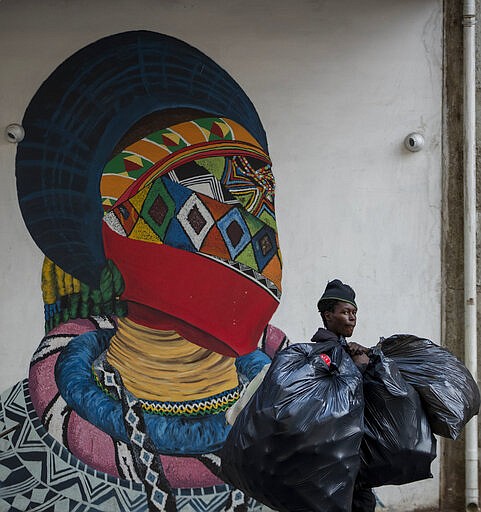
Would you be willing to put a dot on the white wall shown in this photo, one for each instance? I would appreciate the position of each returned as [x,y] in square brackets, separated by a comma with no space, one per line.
[338,85]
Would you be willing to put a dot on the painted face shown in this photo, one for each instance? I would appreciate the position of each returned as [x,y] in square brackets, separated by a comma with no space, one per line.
[193,230]
[342,320]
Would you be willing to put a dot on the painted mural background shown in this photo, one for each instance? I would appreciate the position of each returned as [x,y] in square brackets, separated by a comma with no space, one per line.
[145,179]
[336,95]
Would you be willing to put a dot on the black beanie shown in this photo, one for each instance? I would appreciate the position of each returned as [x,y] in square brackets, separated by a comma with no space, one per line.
[337,290]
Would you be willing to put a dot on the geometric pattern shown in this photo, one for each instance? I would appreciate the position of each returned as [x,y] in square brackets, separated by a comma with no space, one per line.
[197,178]
[33,465]
[114,223]
[251,181]
[156,207]
[56,417]
[147,465]
[204,186]
[234,231]
[167,212]
[265,246]
[53,343]
[170,146]
[125,462]
[196,220]
[37,473]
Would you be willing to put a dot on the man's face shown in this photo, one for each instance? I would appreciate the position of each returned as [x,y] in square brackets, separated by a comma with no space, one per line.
[342,320]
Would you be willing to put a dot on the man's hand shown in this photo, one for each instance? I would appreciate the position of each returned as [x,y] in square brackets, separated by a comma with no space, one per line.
[358,354]
[355,348]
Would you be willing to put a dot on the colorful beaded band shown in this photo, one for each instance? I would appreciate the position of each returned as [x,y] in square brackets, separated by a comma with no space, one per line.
[191,408]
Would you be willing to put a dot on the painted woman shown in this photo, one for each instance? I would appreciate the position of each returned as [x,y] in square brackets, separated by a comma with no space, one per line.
[144,177]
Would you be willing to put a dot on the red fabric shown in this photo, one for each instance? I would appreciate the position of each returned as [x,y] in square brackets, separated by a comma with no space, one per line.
[155,319]
[224,311]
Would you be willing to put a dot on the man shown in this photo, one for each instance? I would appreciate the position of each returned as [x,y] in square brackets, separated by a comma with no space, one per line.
[338,310]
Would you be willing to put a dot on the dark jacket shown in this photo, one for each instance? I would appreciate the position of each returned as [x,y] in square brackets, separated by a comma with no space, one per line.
[325,335]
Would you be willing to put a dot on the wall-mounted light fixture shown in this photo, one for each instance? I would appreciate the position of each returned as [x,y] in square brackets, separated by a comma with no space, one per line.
[414,142]
[14,133]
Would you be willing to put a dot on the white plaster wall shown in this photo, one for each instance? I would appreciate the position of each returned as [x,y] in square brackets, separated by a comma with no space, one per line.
[338,85]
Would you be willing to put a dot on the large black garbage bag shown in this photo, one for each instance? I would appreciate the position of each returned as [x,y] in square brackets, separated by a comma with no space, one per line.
[295,446]
[398,446]
[449,393]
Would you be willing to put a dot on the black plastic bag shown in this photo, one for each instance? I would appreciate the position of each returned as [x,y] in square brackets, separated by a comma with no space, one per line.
[449,393]
[295,446]
[398,446]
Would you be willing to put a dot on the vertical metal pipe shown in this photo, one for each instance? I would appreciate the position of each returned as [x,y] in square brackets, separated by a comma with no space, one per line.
[470,320]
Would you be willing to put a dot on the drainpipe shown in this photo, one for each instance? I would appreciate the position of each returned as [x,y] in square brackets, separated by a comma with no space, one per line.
[470,320]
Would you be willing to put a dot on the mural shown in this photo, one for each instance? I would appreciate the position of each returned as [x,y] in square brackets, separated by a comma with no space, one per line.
[145,179]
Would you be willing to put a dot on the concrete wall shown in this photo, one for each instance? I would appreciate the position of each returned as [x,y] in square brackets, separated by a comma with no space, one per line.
[453,452]
[338,85]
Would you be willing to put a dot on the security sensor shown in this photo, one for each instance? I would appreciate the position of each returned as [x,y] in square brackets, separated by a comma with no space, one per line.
[414,142]
[14,133]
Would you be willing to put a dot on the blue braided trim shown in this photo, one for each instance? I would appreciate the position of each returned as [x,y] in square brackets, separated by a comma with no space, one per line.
[172,435]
